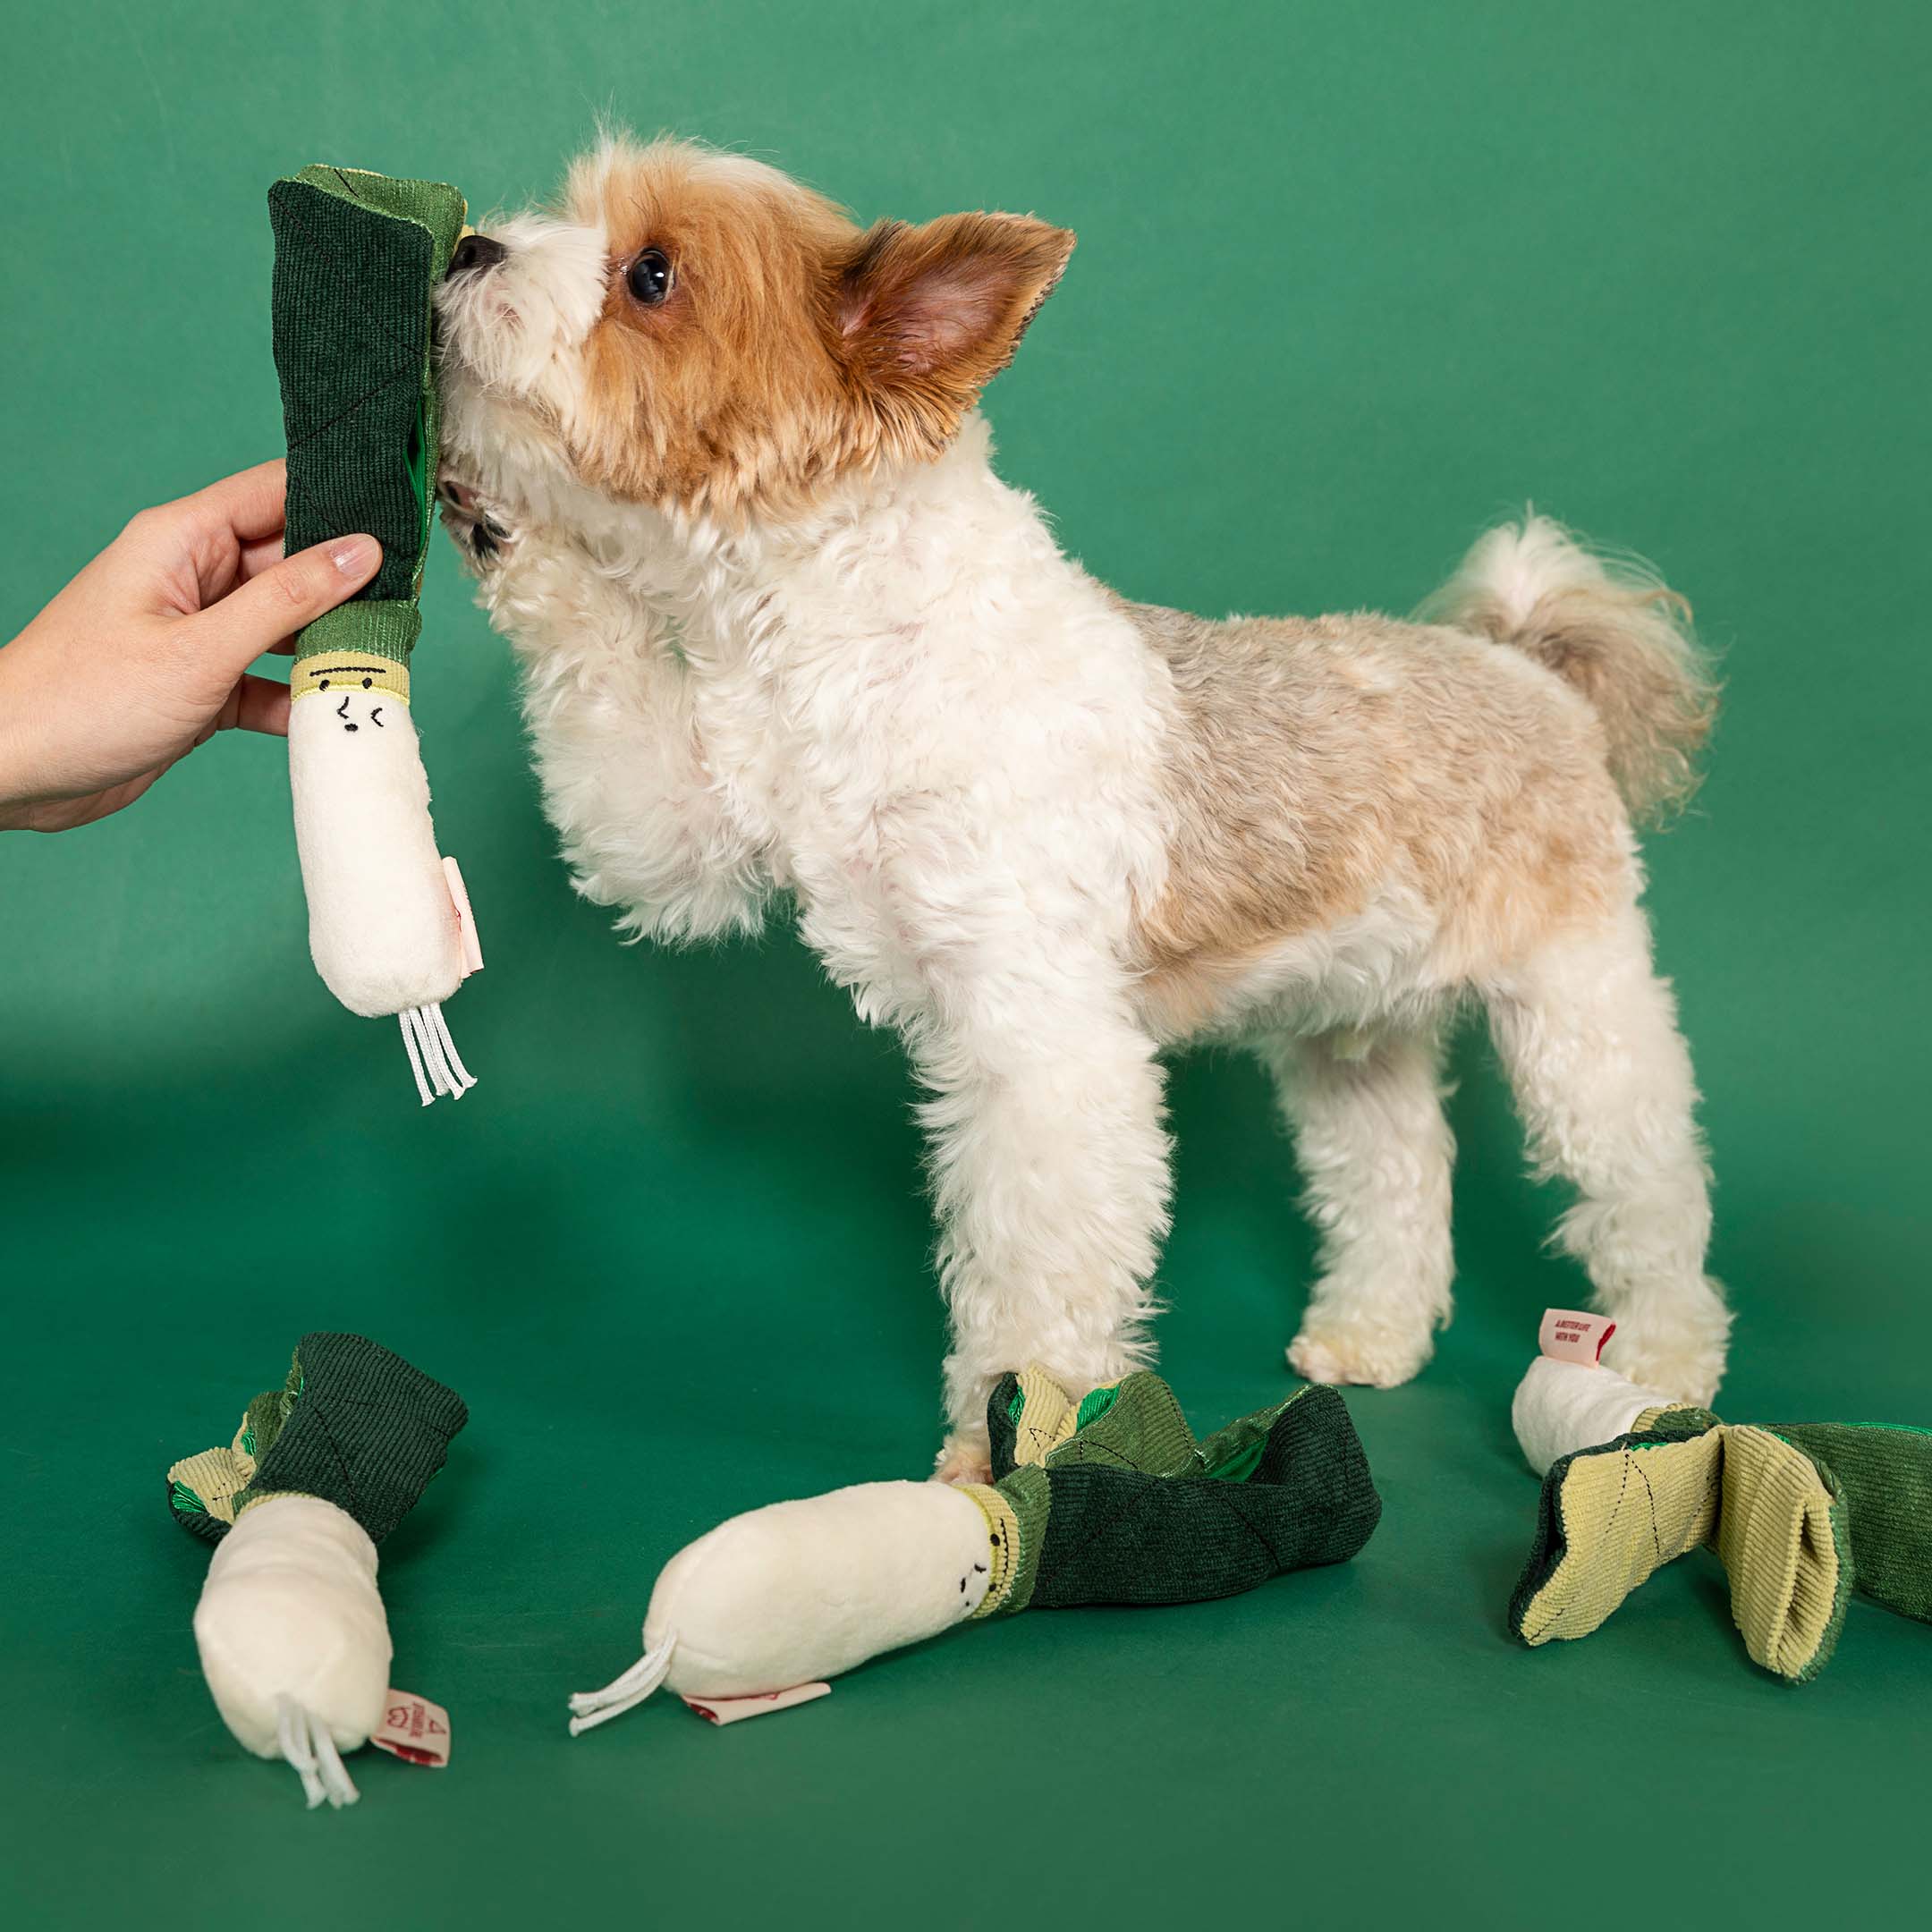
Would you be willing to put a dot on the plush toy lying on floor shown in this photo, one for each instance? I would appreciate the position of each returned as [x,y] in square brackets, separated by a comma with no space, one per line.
[1108,1500]
[293,1640]
[356,258]
[1800,1515]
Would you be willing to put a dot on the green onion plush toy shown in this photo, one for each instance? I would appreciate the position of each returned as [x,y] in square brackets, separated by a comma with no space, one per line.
[1801,1514]
[358,257]
[293,1637]
[1105,1500]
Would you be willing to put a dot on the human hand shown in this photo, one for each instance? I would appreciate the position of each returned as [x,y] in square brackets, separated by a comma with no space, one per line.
[145,655]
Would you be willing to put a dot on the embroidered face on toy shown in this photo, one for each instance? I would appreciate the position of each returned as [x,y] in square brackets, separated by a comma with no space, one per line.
[973,1586]
[354,720]
[698,332]
[360,693]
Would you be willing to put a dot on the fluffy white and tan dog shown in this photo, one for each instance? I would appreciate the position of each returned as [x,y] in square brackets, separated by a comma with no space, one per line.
[783,631]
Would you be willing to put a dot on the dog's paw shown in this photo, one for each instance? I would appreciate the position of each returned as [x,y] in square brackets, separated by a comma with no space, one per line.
[480,532]
[967,1457]
[1687,1368]
[1336,1351]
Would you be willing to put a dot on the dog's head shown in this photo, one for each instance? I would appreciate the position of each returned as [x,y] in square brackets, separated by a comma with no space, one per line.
[698,332]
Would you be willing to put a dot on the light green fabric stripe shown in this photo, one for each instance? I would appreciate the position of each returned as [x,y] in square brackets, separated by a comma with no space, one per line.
[383,629]
[1027,1491]
[1142,1428]
[433,204]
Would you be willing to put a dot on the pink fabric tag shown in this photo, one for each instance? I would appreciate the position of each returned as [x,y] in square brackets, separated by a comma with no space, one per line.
[724,1710]
[414,1730]
[1567,1336]
[472,947]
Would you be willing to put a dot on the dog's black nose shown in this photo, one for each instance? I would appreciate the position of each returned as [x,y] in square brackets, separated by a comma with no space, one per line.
[476,251]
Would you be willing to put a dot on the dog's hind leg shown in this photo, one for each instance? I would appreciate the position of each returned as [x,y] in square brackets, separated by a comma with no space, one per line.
[1375,1153]
[1588,1034]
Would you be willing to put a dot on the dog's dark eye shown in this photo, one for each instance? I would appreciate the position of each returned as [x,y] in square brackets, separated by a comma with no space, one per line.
[649,278]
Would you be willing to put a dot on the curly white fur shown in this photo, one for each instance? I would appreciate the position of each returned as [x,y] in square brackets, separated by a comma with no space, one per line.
[969,765]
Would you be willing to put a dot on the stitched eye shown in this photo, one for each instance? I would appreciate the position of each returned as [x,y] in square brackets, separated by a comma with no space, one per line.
[649,278]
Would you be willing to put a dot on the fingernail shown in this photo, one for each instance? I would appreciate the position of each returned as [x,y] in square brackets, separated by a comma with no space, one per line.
[354,556]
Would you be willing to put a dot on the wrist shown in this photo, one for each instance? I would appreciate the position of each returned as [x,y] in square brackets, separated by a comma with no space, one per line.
[16,801]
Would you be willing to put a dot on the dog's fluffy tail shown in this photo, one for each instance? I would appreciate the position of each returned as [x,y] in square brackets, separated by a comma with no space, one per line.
[1611,629]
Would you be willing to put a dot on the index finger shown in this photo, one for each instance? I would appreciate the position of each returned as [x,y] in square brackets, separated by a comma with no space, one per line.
[248,504]
[256,557]
[264,554]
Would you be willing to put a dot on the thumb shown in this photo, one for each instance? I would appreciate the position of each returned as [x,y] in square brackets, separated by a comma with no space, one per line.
[273,605]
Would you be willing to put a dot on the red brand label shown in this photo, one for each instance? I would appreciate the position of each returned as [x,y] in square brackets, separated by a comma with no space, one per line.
[1568,1335]
[472,947]
[724,1710]
[414,1730]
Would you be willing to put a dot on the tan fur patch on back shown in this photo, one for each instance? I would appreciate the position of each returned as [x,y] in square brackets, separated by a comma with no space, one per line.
[1318,762]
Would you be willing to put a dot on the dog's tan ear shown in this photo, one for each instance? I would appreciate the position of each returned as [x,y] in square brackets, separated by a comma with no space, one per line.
[925,318]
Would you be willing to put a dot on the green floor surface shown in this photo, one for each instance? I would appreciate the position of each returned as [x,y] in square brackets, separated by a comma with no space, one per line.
[1351,282]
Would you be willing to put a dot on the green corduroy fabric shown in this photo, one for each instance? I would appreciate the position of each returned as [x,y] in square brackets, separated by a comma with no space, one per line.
[1681,1419]
[1030,1492]
[1550,1542]
[1874,1484]
[358,257]
[1884,1475]
[1142,1428]
[1129,1510]
[383,630]
[354,1424]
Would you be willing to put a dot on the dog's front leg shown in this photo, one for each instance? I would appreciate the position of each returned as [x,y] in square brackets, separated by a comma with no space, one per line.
[612,710]
[1051,1177]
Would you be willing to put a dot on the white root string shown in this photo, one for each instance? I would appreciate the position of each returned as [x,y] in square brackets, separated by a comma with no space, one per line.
[335,1779]
[591,1708]
[415,1058]
[308,1746]
[432,1054]
[464,1077]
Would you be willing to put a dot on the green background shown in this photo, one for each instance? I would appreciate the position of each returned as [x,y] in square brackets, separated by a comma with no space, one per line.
[1351,281]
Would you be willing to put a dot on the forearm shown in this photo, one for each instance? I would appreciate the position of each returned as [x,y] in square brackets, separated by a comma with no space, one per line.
[17,783]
